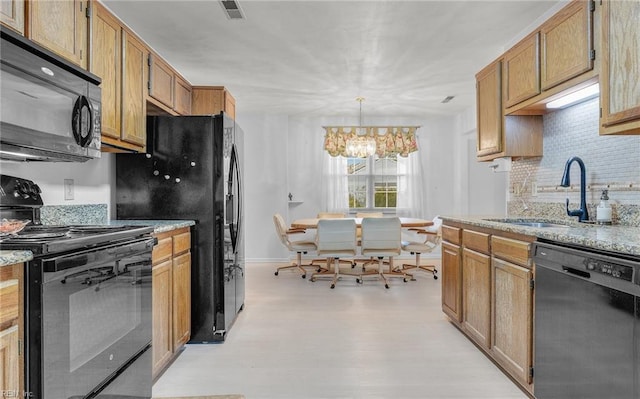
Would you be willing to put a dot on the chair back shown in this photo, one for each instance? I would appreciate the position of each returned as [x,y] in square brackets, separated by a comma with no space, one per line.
[330,215]
[281,229]
[435,228]
[381,236]
[336,237]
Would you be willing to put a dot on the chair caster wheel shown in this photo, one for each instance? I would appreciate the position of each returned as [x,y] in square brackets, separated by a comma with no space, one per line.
[386,286]
[405,280]
[276,273]
[319,270]
[435,277]
[358,281]
[312,279]
[333,286]
[304,276]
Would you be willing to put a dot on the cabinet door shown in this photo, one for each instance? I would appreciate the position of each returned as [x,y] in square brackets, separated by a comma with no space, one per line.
[12,14]
[512,318]
[160,81]
[229,104]
[489,109]
[182,91]
[567,44]
[60,26]
[476,296]
[161,297]
[9,360]
[451,281]
[133,87]
[620,86]
[106,63]
[522,71]
[181,300]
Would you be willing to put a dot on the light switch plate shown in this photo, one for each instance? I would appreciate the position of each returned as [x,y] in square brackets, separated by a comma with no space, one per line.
[68,189]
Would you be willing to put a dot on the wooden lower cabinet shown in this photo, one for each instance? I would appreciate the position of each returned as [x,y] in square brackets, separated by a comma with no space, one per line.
[511,318]
[171,289]
[476,296]
[181,299]
[452,281]
[162,341]
[491,271]
[12,330]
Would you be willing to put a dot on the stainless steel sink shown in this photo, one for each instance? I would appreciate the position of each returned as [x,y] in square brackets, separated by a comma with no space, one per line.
[528,223]
[537,224]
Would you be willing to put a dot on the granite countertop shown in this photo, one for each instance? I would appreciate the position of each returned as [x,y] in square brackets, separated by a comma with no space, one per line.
[623,239]
[159,226]
[9,257]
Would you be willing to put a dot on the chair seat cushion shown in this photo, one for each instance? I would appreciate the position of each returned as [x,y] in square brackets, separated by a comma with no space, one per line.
[417,247]
[303,246]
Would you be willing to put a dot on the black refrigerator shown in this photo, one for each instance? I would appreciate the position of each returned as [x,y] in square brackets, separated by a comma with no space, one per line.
[193,170]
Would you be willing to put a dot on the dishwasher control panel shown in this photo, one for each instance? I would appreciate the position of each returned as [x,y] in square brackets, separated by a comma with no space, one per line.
[610,269]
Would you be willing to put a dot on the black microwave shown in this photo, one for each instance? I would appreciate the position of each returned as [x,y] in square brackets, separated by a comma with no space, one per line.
[49,108]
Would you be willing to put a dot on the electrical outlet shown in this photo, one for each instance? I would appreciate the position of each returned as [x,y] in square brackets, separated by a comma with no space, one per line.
[534,189]
[68,189]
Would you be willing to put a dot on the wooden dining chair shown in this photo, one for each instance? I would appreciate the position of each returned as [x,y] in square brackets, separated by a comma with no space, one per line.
[381,239]
[336,239]
[423,241]
[299,247]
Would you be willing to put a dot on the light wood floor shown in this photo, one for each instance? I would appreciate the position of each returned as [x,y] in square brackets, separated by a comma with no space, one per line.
[296,339]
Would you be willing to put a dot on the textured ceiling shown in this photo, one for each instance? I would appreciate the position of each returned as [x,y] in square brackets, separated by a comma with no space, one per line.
[313,58]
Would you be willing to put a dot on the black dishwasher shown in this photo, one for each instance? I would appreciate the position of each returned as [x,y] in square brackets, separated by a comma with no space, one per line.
[587,323]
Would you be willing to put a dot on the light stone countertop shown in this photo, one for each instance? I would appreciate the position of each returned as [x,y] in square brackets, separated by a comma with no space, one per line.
[623,239]
[9,257]
[159,226]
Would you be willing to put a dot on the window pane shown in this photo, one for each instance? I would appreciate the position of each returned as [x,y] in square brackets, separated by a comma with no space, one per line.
[386,191]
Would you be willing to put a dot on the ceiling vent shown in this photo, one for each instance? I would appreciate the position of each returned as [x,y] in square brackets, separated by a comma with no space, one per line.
[447,99]
[232,9]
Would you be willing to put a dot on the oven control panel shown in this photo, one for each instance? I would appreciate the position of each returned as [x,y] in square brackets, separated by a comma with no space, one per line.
[16,191]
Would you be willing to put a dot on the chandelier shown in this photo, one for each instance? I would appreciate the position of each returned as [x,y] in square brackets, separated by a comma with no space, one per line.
[361,144]
[366,141]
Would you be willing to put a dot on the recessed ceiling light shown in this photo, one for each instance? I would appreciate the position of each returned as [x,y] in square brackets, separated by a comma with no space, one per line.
[232,9]
[447,99]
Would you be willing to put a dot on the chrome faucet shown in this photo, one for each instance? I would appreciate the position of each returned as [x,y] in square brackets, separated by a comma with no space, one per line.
[581,213]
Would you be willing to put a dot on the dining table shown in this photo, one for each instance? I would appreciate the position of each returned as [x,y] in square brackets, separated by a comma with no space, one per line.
[312,223]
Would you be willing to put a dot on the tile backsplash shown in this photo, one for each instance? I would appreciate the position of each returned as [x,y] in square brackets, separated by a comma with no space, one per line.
[611,162]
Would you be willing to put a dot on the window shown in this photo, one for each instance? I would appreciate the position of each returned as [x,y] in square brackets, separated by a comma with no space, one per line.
[373,183]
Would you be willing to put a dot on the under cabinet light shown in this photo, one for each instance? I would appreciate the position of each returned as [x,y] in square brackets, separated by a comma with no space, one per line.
[587,93]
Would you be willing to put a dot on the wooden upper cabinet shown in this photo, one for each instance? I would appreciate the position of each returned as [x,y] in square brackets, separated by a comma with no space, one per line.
[489,109]
[522,71]
[106,62]
[62,27]
[567,44]
[120,60]
[182,92]
[160,81]
[133,91]
[619,82]
[12,14]
[209,100]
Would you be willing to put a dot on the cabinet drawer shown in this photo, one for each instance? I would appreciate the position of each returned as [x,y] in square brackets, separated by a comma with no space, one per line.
[162,250]
[9,298]
[451,234]
[181,242]
[512,250]
[476,241]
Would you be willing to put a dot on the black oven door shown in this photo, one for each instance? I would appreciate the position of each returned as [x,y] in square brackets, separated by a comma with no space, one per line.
[95,316]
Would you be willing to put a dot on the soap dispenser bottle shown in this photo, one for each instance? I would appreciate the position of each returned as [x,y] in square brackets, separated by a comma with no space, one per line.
[603,212]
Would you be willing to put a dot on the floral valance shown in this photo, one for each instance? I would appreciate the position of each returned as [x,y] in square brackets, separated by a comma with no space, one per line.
[400,140]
